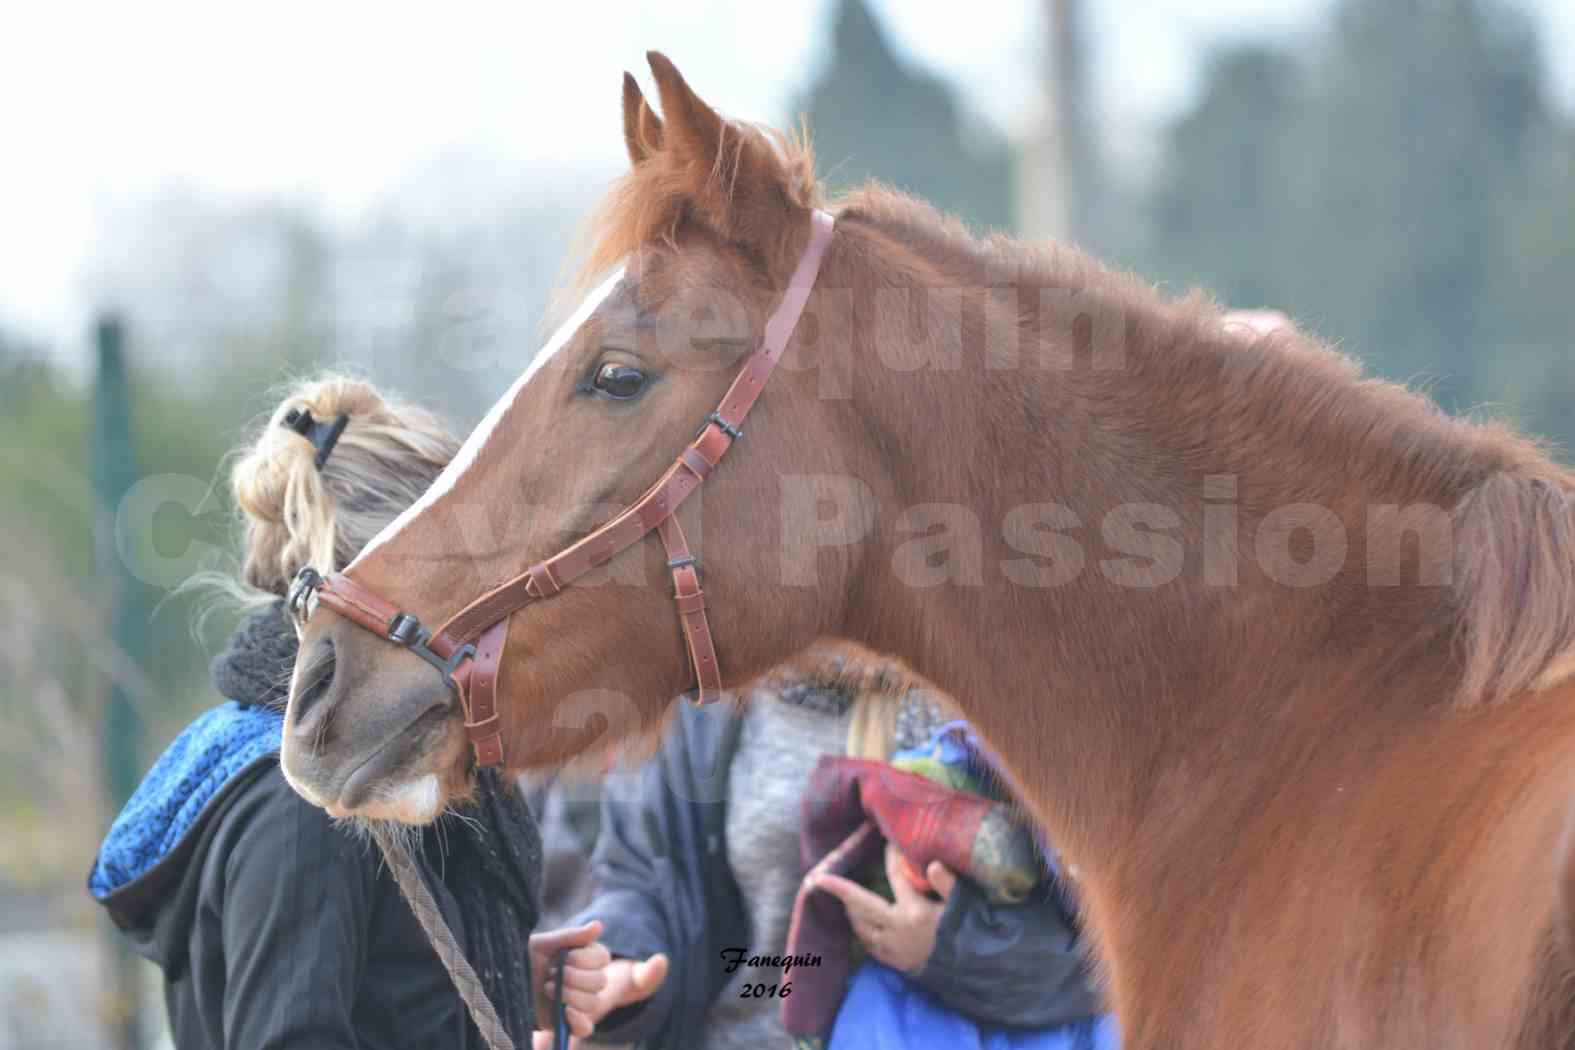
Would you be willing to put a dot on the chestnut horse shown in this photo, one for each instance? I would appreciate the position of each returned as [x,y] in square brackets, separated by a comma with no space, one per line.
[1280,656]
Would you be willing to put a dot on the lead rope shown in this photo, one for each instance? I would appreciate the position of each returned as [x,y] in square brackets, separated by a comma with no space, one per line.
[442,940]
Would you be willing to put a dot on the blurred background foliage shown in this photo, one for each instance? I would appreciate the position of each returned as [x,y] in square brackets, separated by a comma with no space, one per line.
[1399,181]
[1405,189]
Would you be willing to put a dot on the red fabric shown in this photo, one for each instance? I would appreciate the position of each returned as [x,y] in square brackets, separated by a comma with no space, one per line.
[852,807]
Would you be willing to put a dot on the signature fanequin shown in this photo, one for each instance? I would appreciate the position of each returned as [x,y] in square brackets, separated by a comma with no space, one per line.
[736,957]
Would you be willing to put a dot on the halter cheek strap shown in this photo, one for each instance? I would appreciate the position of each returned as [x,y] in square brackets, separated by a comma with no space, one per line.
[467,650]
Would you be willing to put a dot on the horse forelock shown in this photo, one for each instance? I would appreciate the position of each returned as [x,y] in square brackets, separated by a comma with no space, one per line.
[655,198]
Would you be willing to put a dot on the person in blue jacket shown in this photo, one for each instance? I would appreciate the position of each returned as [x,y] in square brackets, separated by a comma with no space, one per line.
[698,862]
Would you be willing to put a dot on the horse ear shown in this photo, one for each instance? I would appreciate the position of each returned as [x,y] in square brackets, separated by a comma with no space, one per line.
[697,132]
[732,176]
[642,128]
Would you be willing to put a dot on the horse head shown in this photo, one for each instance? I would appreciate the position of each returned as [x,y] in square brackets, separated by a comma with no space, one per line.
[695,248]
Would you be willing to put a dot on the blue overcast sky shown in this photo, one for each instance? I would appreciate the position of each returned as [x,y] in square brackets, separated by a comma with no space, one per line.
[337,102]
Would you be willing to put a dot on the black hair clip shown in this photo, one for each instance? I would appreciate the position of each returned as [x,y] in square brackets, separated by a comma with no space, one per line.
[323,436]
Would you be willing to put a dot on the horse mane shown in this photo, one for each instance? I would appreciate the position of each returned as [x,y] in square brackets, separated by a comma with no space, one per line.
[1512,580]
[1515,544]
[1512,506]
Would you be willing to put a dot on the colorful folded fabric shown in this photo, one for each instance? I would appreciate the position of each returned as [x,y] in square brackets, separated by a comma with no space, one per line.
[852,807]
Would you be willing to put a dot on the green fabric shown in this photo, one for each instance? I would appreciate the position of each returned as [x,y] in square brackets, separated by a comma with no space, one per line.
[1005,861]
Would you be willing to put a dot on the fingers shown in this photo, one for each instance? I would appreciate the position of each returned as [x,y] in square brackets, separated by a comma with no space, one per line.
[580,1022]
[584,975]
[584,979]
[592,992]
[552,941]
[630,981]
[541,1039]
[857,899]
[869,913]
[941,878]
[579,1018]
[648,976]
[901,882]
[870,931]
[583,996]
[595,957]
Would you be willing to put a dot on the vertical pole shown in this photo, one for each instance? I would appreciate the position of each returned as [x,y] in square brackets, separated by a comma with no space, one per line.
[1058,182]
[1069,79]
[114,471]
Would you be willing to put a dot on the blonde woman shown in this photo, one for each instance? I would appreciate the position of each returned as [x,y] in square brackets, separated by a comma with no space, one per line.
[275,928]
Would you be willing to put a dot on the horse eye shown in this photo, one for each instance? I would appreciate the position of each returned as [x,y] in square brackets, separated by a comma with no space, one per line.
[619,381]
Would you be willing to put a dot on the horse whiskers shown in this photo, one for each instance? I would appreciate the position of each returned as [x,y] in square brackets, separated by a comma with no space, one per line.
[465,818]
[280,684]
[441,827]
[310,672]
[376,830]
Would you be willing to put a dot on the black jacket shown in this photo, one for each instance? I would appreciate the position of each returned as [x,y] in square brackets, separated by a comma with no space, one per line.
[664,885]
[277,929]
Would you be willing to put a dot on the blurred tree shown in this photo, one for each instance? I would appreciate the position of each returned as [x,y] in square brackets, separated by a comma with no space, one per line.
[1394,191]
[1421,117]
[223,300]
[1528,320]
[53,604]
[1218,214]
[875,117]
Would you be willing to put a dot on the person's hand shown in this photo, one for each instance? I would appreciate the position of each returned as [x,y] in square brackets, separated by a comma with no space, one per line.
[615,983]
[584,973]
[630,981]
[899,933]
[594,983]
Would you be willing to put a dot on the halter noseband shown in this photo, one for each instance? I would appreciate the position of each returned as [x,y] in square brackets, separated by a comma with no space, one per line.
[467,650]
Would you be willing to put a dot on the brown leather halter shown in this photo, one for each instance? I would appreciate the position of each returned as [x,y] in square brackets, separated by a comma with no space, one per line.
[467,651]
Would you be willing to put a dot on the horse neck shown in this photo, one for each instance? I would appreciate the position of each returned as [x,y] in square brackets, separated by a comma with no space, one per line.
[1110,704]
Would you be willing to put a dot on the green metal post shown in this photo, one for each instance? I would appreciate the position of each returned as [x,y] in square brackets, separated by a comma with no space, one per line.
[114,471]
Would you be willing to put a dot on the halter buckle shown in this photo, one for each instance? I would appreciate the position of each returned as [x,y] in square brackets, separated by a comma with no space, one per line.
[734,433]
[306,583]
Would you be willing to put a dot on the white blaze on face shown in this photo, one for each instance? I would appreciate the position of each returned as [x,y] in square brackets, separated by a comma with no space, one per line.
[483,432]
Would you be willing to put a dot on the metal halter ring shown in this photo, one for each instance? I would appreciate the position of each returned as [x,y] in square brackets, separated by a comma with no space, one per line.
[306,583]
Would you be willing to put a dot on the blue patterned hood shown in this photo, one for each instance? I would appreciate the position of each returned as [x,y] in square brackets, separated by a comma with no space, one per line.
[145,872]
[170,802]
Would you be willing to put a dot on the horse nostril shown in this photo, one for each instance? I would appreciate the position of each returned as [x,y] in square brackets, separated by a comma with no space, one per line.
[315,680]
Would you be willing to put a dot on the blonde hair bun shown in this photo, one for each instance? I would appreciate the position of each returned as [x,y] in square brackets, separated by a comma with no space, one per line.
[297,514]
